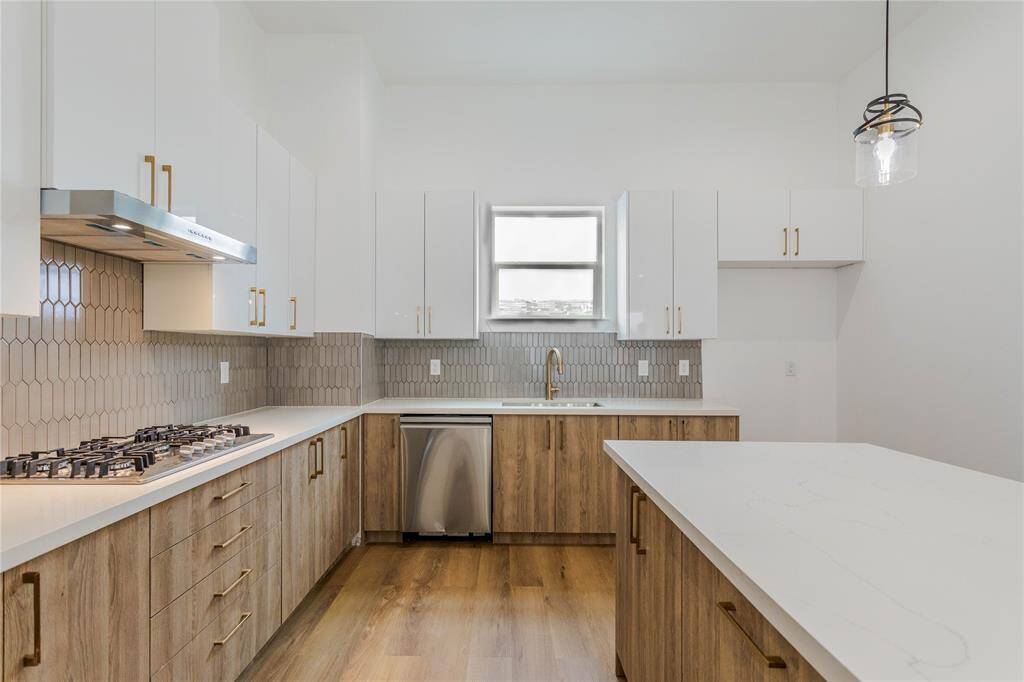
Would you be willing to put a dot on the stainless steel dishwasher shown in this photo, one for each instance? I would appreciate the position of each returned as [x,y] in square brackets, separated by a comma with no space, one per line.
[446,480]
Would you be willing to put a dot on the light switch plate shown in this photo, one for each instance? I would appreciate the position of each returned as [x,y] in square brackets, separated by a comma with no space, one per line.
[643,368]
[790,368]
[684,368]
[225,372]
[435,367]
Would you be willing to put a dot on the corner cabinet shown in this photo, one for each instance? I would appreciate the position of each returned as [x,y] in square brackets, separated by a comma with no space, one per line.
[790,228]
[426,265]
[668,265]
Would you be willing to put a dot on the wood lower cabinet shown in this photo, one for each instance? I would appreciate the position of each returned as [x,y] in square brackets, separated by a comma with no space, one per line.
[381,473]
[81,611]
[523,474]
[677,617]
[644,427]
[584,474]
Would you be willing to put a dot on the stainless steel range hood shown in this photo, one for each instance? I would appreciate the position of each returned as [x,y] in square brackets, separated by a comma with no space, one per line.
[115,223]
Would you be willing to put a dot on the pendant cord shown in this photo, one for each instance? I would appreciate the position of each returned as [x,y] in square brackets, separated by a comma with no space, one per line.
[886,47]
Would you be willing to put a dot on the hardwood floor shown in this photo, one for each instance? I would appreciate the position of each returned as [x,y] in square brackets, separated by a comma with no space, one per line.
[453,611]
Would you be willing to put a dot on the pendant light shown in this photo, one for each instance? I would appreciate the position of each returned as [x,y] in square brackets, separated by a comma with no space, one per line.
[885,141]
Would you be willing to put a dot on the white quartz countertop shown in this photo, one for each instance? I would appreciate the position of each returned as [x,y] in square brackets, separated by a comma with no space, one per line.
[35,519]
[874,564]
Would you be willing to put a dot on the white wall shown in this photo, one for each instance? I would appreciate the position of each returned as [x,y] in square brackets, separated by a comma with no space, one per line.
[321,105]
[929,328]
[587,144]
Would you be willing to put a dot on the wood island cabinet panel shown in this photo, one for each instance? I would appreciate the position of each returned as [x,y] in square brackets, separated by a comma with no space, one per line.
[94,608]
[381,473]
[584,475]
[660,581]
[523,474]
[627,586]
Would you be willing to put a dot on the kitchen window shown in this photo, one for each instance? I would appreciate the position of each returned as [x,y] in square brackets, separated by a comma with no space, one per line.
[547,262]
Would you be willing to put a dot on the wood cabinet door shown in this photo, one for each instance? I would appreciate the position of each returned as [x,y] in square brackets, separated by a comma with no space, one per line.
[350,481]
[660,584]
[643,427]
[93,615]
[382,479]
[331,496]
[584,475]
[709,428]
[627,587]
[524,474]
[298,524]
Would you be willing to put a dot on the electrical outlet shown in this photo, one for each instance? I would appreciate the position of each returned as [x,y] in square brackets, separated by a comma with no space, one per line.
[225,372]
[790,368]
[435,368]
[684,368]
[643,368]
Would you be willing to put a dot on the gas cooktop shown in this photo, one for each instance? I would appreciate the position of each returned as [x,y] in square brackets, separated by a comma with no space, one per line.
[150,453]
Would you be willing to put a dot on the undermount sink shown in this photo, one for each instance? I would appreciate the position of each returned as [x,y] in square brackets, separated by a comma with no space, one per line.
[563,404]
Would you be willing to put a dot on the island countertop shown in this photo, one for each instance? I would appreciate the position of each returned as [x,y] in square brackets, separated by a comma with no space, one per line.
[874,564]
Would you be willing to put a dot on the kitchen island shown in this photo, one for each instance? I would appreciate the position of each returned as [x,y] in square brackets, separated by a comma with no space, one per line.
[835,560]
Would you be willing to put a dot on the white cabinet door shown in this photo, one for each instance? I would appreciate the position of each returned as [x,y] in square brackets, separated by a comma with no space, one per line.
[187,71]
[399,265]
[695,245]
[100,96]
[301,244]
[646,217]
[450,265]
[752,225]
[21,62]
[827,225]
[234,286]
[272,215]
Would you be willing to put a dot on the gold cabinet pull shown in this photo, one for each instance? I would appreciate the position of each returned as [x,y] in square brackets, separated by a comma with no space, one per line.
[344,442]
[231,493]
[234,538]
[561,435]
[36,657]
[151,160]
[255,307]
[263,322]
[166,168]
[417,319]
[797,230]
[729,609]
[241,622]
[320,457]
[633,491]
[230,588]
[785,241]
[295,313]
[668,319]
[679,314]
[311,447]
[430,319]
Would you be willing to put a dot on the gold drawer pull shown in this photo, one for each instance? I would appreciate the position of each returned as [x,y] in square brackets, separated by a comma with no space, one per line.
[231,540]
[241,622]
[232,493]
[36,657]
[232,586]
[729,609]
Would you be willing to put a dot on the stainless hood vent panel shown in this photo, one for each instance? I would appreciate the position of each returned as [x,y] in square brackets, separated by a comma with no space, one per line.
[115,223]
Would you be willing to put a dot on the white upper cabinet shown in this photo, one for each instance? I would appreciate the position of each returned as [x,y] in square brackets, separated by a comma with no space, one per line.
[695,272]
[301,246]
[798,228]
[187,70]
[827,225]
[426,265]
[450,265]
[273,167]
[645,265]
[399,265]
[21,64]
[668,266]
[101,97]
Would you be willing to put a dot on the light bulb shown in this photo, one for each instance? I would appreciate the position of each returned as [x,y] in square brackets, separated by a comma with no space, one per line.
[884,149]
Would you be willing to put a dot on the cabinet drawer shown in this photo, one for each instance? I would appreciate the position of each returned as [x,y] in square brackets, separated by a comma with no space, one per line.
[223,648]
[749,648]
[177,569]
[175,519]
[182,619]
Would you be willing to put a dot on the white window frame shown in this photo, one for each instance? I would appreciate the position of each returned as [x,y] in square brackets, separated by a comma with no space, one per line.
[597,267]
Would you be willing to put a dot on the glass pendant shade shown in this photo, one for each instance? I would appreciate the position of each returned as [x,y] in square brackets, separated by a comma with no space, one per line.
[886,155]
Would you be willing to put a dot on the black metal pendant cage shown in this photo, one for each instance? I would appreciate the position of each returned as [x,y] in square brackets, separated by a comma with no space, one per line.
[892,113]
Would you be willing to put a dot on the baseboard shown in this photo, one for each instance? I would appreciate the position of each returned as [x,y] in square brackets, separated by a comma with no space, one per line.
[554,538]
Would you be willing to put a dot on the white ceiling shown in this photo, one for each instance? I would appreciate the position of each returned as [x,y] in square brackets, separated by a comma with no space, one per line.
[519,41]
